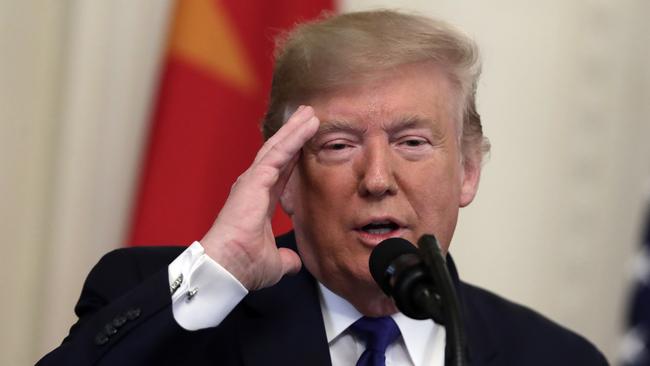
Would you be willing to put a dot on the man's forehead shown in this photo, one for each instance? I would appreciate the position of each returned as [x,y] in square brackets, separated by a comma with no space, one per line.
[391,125]
[354,105]
[410,96]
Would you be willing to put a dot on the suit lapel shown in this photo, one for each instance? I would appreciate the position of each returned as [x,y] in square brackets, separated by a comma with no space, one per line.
[284,325]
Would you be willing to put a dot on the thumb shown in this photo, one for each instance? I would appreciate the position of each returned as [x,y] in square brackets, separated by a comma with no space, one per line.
[291,262]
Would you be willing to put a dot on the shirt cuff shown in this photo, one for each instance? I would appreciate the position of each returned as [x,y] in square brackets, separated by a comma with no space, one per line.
[203,292]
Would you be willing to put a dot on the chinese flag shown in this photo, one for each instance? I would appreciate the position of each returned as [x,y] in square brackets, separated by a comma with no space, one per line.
[205,126]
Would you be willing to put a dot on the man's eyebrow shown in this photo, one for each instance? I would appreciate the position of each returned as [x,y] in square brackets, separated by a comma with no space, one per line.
[338,125]
[392,127]
[414,121]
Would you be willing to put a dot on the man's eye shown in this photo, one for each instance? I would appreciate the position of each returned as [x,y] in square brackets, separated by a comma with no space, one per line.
[413,142]
[336,146]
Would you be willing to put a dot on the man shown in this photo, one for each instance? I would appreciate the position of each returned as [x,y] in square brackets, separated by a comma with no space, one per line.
[371,133]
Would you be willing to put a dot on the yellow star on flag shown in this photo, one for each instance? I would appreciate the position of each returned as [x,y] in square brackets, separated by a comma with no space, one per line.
[203,34]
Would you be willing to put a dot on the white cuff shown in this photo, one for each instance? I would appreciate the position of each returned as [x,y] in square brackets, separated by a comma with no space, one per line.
[203,292]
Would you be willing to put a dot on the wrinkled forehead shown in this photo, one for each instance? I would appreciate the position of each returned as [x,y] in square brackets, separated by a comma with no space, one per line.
[413,88]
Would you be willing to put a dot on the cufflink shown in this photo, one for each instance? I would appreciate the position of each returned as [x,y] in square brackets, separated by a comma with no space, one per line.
[191,293]
[176,284]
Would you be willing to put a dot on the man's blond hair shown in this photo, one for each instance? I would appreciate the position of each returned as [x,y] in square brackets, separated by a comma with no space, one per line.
[342,50]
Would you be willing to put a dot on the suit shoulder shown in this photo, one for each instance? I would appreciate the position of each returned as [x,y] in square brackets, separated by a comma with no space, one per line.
[524,331]
[489,304]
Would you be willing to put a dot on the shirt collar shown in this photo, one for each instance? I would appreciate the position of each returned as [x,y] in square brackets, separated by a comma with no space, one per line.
[418,335]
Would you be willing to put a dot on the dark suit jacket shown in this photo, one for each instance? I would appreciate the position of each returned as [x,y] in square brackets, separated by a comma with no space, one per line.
[125,318]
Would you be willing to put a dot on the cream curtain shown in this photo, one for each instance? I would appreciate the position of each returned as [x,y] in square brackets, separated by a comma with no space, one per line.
[77,80]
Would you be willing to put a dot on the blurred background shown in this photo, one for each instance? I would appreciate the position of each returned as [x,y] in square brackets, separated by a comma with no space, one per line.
[125,122]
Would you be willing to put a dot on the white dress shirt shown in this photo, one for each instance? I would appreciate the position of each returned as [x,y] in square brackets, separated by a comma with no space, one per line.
[204,293]
[422,342]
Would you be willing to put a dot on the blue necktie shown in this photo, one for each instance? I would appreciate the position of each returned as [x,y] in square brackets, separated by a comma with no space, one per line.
[378,334]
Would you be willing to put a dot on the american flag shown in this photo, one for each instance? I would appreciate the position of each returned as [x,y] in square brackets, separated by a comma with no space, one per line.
[635,349]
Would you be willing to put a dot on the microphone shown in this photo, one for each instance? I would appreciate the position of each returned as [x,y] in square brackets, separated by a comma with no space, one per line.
[421,286]
[397,267]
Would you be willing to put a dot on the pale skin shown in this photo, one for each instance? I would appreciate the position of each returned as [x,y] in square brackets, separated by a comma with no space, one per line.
[383,151]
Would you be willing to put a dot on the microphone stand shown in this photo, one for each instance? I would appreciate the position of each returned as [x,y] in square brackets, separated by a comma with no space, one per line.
[435,262]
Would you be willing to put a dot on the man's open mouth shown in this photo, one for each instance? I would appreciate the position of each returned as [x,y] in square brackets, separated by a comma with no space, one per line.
[380,227]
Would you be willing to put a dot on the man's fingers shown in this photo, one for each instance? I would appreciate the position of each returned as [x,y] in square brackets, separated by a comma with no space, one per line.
[286,171]
[271,167]
[276,159]
[291,262]
[302,114]
[278,187]
[295,122]
[281,153]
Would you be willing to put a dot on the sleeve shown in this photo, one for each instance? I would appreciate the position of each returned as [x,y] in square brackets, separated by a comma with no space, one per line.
[125,311]
[203,292]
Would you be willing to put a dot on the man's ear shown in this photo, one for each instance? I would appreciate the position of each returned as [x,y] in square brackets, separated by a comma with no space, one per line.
[288,195]
[470,179]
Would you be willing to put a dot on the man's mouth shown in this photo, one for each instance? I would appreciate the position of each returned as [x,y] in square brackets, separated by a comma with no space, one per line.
[380,228]
[374,231]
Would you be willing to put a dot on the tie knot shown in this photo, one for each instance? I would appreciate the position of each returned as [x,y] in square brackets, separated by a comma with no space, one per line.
[377,332]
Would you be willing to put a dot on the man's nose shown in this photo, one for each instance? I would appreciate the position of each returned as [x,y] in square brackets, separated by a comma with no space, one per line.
[377,171]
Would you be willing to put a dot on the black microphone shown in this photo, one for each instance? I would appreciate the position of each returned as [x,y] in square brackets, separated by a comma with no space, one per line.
[397,267]
[421,286]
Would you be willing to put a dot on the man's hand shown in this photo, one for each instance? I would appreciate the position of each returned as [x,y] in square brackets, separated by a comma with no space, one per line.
[241,238]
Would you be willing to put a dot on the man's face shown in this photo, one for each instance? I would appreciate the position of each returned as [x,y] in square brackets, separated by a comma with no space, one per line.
[385,163]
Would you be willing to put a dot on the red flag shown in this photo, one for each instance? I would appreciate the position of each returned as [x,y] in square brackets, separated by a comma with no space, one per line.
[205,126]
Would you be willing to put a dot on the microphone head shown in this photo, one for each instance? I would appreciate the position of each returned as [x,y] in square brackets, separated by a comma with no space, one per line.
[382,257]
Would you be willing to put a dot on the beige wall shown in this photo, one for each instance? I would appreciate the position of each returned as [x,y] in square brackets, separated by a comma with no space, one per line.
[564,98]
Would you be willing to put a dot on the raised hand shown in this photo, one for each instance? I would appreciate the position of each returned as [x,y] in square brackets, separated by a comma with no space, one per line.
[241,238]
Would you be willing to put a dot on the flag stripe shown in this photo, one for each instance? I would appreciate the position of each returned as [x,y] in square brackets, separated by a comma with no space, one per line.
[205,126]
